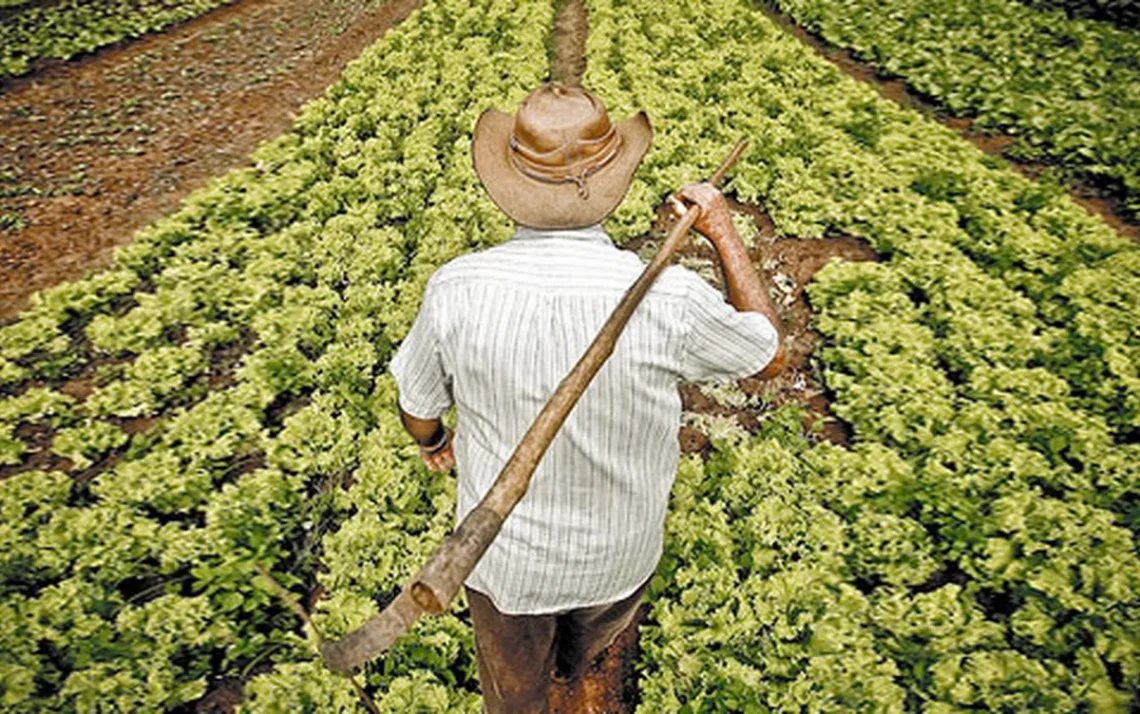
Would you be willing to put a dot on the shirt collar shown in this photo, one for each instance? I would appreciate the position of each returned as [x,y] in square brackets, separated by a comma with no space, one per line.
[593,234]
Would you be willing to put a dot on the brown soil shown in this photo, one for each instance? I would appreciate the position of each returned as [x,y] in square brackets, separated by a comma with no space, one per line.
[224,697]
[994,144]
[95,149]
[800,383]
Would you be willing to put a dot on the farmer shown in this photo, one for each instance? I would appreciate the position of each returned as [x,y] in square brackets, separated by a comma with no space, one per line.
[497,331]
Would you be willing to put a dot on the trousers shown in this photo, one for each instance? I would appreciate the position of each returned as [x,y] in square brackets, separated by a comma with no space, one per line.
[520,655]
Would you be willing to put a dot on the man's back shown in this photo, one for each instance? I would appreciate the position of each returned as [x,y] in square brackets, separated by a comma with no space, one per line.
[506,325]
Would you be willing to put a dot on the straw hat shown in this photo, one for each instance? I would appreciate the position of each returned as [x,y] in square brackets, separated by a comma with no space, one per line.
[558,162]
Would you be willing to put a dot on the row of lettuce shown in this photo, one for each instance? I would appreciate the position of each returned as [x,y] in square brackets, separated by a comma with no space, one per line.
[1069,89]
[67,28]
[127,583]
[976,549]
[1125,13]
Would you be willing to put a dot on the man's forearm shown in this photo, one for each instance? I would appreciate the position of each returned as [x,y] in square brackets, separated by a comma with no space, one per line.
[747,289]
[434,440]
[424,431]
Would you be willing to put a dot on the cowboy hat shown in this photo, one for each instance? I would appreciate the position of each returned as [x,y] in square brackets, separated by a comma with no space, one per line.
[558,162]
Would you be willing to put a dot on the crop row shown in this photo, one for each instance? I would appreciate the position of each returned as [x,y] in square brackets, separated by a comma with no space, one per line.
[975,549]
[1069,89]
[1125,13]
[127,582]
[69,28]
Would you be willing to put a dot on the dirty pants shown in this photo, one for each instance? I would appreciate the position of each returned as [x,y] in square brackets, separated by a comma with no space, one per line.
[519,654]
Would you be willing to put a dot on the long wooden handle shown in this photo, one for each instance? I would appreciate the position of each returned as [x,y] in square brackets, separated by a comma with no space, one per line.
[432,590]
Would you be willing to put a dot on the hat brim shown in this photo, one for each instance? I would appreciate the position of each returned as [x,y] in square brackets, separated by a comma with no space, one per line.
[537,204]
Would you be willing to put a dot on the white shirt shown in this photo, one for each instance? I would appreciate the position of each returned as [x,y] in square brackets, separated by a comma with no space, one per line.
[495,334]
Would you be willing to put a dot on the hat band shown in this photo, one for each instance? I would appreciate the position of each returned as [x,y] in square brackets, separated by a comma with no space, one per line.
[575,167]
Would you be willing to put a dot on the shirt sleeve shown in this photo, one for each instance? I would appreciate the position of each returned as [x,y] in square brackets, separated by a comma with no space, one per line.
[722,343]
[424,387]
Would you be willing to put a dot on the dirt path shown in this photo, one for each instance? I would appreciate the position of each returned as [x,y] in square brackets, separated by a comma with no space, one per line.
[898,91]
[568,52]
[95,149]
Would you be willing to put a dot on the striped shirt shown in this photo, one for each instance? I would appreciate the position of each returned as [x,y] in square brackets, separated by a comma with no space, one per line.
[495,334]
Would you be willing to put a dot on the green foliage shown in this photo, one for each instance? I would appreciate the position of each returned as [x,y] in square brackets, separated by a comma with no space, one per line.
[27,503]
[149,383]
[36,406]
[300,687]
[754,571]
[88,442]
[1065,86]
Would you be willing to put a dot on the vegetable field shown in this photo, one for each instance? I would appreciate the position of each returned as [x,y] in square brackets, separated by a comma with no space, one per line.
[1069,89]
[218,398]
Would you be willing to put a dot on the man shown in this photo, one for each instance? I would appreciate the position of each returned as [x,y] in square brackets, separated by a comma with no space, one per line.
[498,330]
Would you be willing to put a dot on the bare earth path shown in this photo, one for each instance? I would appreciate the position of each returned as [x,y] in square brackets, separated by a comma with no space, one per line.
[94,149]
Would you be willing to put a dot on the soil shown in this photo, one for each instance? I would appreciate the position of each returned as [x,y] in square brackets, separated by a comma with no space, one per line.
[610,685]
[94,149]
[224,697]
[1094,200]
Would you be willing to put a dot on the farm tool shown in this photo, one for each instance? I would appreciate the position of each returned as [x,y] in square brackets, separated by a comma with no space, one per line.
[433,588]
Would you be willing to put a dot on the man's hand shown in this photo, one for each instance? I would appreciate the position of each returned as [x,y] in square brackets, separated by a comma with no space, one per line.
[715,219]
[442,458]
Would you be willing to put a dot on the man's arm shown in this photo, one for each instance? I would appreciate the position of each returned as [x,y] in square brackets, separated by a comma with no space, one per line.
[747,289]
[423,387]
[434,440]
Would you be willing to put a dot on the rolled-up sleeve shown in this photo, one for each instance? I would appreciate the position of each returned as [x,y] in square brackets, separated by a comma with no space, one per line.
[721,343]
[424,386]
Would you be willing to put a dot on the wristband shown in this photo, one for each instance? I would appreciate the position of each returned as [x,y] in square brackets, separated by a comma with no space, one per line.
[436,443]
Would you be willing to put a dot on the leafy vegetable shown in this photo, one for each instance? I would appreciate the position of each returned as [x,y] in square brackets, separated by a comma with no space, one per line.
[1066,87]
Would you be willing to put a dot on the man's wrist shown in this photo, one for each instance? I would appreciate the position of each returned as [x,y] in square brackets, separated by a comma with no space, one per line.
[437,441]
